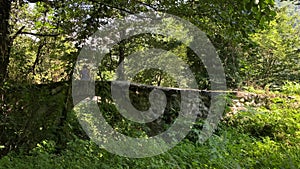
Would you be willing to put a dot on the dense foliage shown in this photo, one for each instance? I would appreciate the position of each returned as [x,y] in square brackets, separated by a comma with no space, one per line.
[264,136]
[258,44]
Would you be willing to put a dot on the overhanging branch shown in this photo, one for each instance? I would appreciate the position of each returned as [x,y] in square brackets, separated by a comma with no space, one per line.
[149,6]
[39,34]
[17,33]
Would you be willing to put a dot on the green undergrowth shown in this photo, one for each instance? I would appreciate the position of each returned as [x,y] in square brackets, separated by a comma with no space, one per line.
[228,149]
[266,136]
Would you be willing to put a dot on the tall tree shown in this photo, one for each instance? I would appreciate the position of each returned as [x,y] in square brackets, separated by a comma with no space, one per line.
[273,56]
[5,42]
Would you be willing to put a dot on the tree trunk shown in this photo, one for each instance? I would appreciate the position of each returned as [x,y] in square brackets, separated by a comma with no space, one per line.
[5,6]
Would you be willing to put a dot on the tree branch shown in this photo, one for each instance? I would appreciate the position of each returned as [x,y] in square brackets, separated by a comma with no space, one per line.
[37,59]
[118,8]
[39,34]
[149,6]
[17,33]
[111,6]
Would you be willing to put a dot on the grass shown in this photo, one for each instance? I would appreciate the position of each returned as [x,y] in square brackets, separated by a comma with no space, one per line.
[267,136]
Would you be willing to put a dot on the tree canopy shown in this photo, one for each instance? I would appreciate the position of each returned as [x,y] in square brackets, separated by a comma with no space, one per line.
[55,31]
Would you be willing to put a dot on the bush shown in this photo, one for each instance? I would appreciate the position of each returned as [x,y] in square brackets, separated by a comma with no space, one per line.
[228,149]
[291,88]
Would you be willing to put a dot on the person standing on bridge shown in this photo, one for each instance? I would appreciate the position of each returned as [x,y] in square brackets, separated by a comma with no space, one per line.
[85,74]
[86,88]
